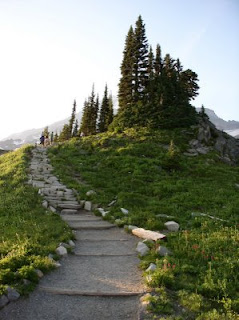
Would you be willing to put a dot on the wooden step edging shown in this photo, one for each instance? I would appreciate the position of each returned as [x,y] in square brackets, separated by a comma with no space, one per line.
[105,255]
[91,227]
[68,292]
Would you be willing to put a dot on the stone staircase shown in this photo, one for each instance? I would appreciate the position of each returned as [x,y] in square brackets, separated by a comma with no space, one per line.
[100,281]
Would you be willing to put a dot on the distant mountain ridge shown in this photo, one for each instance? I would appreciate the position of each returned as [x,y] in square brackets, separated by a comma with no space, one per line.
[219,122]
[16,140]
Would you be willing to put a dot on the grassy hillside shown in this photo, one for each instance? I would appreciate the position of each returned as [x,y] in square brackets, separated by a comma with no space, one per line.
[28,232]
[147,173]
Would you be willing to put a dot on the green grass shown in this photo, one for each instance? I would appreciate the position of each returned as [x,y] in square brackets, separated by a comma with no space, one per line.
[28,231]
[145,175]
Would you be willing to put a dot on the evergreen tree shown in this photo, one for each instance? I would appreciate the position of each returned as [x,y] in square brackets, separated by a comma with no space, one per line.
[90,113]
[55,137]
[140,61]
[84,128]
[72,119]
[158,61]
[64,135]
[126,81]
[111,111]
[153,92]
[75,129]
[104,110]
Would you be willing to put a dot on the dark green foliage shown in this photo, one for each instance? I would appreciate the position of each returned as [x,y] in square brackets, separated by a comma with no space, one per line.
[106,112]
[68,130]
[203,114]
[75,129]
[72,119]
[134,75]
[56,137]
[90,113]
[65,133]
[141,63]
[153,92]
[126,82]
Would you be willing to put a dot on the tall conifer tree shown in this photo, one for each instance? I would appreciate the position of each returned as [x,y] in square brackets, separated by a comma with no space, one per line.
[126,82]
[140,61]
[90,113]
[72,119]
[104,112]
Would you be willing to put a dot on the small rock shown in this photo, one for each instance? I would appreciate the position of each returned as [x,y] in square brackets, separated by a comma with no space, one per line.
[112,203]
[65,245]
[50,256]
[57,264]
[45,204]
[52,209]
[82,203]
[71,243]
[90,193]
[3,301]
[26,282]
[142,249]
[172,226]
[124,211]
[61,251]
[151,267]
[103,212]
[163,251]
[88,205]
[237,185]
[12,294]
[39,273]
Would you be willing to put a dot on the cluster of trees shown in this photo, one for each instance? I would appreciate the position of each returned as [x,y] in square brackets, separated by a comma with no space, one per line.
[153,91]
[96,117]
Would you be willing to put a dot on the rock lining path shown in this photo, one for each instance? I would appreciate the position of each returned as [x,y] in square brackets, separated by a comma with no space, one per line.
[100,281]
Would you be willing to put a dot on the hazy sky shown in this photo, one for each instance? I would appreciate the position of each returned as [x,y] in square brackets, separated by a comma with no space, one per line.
[52,51]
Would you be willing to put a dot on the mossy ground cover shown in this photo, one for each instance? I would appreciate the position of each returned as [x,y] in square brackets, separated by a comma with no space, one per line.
[28,232]
[149,175]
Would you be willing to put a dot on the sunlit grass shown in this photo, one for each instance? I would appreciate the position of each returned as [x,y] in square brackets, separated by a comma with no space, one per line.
[28,233]
[137,169]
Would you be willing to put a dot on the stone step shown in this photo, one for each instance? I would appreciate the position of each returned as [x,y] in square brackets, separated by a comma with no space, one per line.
[106,248]
[66,212]
[96,274]
[41,305]
[114,234]
[78,217]
[75,226]
[69,205]
[94,223]
[70,292]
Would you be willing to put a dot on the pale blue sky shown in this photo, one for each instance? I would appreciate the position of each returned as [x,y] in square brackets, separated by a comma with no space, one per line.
[52,51]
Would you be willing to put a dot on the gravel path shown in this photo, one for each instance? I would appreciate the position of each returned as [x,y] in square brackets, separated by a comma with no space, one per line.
[100,281]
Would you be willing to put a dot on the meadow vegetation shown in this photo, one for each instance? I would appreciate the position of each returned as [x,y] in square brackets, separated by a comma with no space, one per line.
[146,172]
[28,232]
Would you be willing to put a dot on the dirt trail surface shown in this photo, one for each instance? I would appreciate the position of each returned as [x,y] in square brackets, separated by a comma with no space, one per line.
[100,281]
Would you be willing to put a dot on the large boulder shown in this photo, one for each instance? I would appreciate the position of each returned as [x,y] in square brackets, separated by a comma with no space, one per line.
[147,234]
